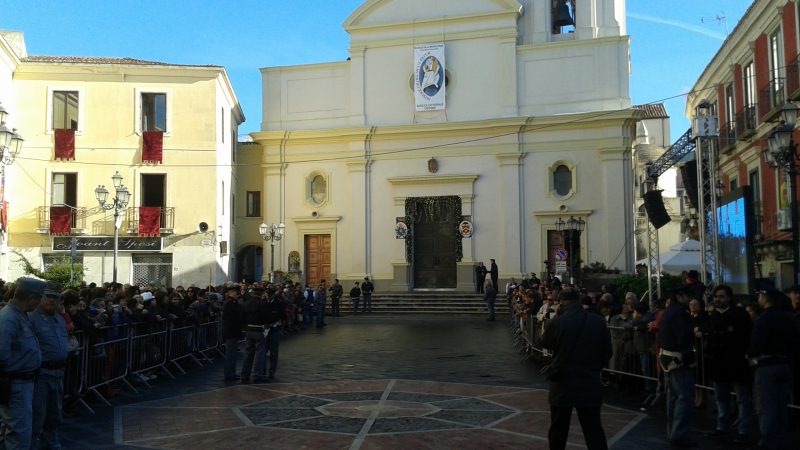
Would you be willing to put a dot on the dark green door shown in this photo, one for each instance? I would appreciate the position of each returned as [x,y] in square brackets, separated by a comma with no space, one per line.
[435,252]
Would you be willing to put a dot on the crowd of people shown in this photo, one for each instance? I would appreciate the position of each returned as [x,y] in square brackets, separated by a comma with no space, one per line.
[40,322]
[747,346]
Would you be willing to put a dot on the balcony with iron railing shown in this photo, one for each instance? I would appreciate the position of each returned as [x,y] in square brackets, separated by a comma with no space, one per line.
[727,136]
[793,79]
[746,122]
[72,218]
[166,219]
[772,98]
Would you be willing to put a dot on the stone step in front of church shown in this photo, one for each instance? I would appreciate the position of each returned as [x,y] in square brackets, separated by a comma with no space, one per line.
[439,303]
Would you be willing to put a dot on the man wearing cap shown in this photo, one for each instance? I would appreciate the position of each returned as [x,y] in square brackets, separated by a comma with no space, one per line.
[48,391]
[256,316]
[581,346]
[276,314]
[20,359]
[675,338]
[695,288]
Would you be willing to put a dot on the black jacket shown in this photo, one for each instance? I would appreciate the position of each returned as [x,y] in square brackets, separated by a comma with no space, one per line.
[591,344]
[676,331]
[774,334]
[728,336]
[232,320]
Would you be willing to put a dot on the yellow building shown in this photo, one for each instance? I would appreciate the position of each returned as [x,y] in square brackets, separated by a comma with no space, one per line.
[85,119]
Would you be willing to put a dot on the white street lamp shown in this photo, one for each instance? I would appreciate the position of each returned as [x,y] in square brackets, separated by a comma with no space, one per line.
[118,204]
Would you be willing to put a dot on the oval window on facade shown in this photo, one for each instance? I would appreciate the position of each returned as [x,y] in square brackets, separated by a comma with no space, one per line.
[319,189]
[562,180]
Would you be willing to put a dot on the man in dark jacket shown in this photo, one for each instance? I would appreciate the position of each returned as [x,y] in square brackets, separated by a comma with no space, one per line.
[336,296]
[256,317]
[232,325]
[494,274]
[276,314]
[772,343]
[490,297]
[729,329]
[676,357]
[581,346]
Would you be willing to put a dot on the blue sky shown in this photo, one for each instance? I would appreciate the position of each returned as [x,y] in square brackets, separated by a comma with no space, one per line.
[670,42]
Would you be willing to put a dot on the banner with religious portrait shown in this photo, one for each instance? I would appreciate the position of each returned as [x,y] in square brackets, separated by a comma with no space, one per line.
[429,77]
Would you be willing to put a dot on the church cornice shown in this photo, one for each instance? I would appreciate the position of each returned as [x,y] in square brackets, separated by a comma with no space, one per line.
[498,127]
[353,22]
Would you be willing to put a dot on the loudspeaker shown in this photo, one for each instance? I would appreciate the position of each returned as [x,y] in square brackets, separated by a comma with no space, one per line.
[202,227]
[689,176]
[656,212]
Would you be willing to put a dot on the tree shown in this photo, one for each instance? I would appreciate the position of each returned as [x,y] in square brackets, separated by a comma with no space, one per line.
[59,271]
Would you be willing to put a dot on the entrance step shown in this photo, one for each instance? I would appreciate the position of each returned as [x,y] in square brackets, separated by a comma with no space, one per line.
[437,302]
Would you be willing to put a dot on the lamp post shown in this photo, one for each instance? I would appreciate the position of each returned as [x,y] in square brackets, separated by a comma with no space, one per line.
[117,204]
[271,233]
[10,140]
[574,227]
[781,152]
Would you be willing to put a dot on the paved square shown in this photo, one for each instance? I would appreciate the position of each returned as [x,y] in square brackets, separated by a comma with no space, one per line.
[369,414]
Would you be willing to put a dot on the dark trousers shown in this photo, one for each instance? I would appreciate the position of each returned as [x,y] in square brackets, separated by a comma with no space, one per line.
[593,433]
[479,284]
[335,306]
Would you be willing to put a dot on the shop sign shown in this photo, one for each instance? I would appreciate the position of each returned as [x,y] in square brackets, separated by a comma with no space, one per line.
[106,243]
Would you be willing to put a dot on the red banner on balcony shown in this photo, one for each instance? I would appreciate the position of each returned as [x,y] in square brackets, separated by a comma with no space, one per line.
[149,220]
[152,146]
[60,220]
[4,217]
[65,144]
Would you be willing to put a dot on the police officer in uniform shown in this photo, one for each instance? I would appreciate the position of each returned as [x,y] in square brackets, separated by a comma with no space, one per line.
[676,338]
[48,392]
[276,314]
[20,359]
[256,316]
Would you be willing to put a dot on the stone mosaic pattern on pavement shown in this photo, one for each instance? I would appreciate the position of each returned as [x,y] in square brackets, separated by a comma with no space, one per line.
[352,414]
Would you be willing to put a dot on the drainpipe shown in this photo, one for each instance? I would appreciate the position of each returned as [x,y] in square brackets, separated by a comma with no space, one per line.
[368,202]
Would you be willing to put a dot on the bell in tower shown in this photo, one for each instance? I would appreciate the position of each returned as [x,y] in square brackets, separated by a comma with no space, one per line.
[562,15]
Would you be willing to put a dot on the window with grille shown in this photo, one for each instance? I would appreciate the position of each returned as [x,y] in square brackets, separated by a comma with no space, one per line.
[153,269]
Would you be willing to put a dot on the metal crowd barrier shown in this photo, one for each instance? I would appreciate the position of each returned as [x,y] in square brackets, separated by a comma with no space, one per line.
[108,356]
[627,362]
[149,351]
[182,346]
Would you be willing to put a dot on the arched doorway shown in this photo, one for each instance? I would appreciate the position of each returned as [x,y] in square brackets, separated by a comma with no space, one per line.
[250,263]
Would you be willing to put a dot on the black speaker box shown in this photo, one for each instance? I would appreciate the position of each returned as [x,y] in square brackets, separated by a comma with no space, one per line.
[656,212]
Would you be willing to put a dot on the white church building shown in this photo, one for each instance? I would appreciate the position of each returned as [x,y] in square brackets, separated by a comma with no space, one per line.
[455,133]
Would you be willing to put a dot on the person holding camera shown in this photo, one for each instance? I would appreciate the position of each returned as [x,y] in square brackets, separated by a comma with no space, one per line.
[581,346]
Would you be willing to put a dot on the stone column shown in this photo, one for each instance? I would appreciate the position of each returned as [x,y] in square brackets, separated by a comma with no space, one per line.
[508,223]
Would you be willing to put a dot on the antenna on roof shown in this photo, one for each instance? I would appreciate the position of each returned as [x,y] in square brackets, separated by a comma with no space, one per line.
[719,18]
